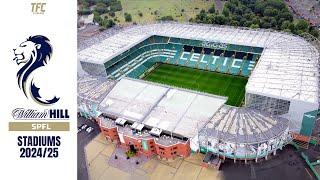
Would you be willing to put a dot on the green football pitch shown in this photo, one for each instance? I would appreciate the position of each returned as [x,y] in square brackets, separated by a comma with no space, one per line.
[204,81]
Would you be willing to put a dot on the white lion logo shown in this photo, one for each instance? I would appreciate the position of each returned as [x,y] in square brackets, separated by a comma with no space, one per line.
[33,53]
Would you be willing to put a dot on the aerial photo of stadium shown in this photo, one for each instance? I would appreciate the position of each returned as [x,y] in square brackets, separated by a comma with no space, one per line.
[170,89]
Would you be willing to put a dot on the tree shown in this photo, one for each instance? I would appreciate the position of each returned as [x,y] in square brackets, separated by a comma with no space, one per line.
[115,5]
[292,27]
[89,2]
[202,17]
[302,25]
[287,30]
[255,14]
[85,12]
[107,2]
[127,17]
[314,32]
[299,31]
[254,26]
[85,5]
[107,23]
[277,4]
[271,12]
[265,24]
[249,16]
[274,23]
[255,20]
[112,14]
[286,15]
[101,8]
[247,23]
[259,7]
[285,25]
[166,18]
[226,12]
[239,10]
[220,19]
[96,17]
[234,23]
[230,6]
[110,23]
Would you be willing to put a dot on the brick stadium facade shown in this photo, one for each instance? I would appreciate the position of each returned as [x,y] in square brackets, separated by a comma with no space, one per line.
[145,144]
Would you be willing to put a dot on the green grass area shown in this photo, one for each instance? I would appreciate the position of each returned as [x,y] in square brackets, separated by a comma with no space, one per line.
[164,8]
[205,81]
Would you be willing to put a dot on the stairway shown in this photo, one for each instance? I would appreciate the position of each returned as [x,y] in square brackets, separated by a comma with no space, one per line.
[301,144]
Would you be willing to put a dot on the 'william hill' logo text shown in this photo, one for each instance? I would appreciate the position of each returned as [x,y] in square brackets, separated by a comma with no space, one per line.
[21,113]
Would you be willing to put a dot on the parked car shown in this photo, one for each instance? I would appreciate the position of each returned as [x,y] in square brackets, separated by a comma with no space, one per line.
[79,129]
[84,126]
[89,129]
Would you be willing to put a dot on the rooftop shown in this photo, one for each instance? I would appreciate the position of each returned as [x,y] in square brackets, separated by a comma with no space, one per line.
[93,89]
[174,110]
[243,125]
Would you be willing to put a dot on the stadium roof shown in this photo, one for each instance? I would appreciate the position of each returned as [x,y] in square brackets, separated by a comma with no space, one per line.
[243,125]
[288,66]
[175,110]
[93,89]
[110,47]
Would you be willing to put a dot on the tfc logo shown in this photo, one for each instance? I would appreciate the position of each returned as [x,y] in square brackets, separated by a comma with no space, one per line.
[38,8]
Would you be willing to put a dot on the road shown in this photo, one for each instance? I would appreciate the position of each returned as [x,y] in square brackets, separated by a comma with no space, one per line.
[83,139]
[288,164]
